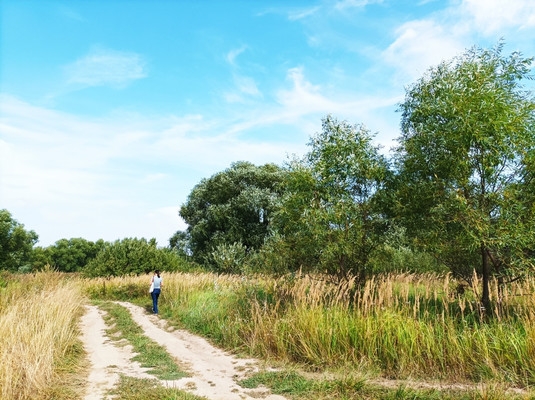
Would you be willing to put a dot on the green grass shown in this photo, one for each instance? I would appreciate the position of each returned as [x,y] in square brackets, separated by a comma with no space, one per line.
[404,326]
[148,389]
[150,354]
[292,385]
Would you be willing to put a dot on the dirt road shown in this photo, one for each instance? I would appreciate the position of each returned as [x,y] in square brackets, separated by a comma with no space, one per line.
[213,372]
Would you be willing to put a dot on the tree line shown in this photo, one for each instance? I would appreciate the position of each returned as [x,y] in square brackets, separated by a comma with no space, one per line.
[456,194]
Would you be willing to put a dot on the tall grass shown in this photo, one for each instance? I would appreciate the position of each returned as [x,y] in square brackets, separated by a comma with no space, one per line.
[397,325]
[39,340]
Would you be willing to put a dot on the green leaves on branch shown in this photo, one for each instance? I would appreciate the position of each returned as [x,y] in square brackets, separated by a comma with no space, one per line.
[132,256]
[233,207]
[468,133]
[328,215]
[16,244]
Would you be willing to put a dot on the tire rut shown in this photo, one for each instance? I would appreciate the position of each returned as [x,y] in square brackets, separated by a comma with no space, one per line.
[213,372]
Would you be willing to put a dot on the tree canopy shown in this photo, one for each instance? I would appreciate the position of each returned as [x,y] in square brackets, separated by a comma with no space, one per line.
[132,256]
[67,255]
[16,243]
[231,207]
[328,217]
[466,150]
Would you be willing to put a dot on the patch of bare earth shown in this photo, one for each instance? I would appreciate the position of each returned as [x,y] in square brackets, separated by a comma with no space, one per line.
[213,372]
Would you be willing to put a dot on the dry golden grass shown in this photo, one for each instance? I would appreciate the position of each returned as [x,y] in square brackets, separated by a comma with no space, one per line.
[38,336]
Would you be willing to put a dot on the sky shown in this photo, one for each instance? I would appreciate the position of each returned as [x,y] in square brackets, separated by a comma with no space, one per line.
[111,111]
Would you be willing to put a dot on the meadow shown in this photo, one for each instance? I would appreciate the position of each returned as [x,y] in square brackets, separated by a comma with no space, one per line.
[411,327]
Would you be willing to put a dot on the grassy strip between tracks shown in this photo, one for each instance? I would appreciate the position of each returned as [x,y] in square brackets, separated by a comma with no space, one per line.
[149,353]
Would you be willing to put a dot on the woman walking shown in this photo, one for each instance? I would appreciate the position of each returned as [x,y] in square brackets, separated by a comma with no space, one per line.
[156,286]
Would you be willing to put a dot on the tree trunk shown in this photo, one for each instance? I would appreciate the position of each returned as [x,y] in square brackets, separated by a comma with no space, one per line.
[485,298]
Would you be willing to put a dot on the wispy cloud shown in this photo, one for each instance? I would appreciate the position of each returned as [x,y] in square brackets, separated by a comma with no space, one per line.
[244,88]
[491,16]
[106,169]
[71,14]
[234,53]
[303,95]
[295,15]
[105,67]
[420,44]
[344,4]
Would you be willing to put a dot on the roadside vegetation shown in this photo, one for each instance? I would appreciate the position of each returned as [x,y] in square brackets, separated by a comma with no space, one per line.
[407,336]
[406,327]
[41,355]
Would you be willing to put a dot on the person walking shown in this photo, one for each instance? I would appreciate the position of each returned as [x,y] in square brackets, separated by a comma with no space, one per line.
[156,286]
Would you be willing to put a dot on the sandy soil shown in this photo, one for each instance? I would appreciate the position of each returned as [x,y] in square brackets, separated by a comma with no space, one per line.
[213,372]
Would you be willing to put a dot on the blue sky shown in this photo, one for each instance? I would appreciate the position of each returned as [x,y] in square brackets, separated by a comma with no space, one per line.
[111,111]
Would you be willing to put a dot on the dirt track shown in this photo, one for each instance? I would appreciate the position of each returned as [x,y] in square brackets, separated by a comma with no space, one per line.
[213,372]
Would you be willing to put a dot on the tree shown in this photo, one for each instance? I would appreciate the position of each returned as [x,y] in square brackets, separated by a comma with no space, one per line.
[16,243]
[231,207]
[71,255]
[468,131]
[132,256]
[328,216]
[179,243]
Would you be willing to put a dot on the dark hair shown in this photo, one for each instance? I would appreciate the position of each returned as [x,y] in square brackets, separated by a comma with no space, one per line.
[157,272]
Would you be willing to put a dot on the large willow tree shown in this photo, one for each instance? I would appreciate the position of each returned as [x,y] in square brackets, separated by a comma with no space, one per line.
[468,135]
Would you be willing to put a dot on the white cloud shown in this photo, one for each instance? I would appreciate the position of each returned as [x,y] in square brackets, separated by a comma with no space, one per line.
[343,4]
[303,97]
[420,44]
[493,16]
[104,178]
[234,53]
[296,15]
[245,88]
[247,85]
[103,67]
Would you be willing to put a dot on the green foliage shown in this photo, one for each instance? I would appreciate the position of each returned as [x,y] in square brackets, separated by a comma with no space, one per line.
[293,384]
[329,220]
[212,314]
[395,254]
[180,243]
[229,258]
[67,255]
[16,244]
[468,135]
[132,256]
[233,206]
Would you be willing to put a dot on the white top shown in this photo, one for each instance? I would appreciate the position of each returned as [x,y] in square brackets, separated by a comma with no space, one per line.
[157,282]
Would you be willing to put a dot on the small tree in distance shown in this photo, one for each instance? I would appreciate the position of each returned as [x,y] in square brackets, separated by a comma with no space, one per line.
[16,243]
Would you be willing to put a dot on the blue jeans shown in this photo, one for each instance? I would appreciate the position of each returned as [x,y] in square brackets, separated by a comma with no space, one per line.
[155,294]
